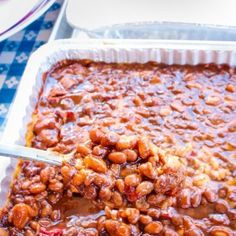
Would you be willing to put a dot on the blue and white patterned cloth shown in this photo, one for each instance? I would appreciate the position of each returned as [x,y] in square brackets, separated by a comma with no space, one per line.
[14,54]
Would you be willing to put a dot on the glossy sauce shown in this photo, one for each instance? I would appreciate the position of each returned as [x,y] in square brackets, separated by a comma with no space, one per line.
[190,111]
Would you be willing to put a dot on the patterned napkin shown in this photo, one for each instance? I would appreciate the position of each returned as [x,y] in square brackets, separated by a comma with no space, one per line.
[14,53]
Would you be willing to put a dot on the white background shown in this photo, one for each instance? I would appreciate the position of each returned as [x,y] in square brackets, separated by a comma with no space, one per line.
[95,13]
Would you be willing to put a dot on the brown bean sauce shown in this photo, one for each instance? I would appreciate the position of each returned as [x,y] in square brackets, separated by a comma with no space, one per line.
[155,153]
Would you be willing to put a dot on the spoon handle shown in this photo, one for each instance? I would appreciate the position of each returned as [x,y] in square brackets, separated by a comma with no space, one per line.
[29,154]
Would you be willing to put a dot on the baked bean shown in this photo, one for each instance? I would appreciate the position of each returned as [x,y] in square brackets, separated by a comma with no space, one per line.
[44,123]
[184,198]
[113,215]
[120,185]
[172,162]
[79,164]
[154,160]
[49,137]
[111,226]
[230,88]
[99,151]
[95,164]
[25,185]
[90,192]
[154,150]
[117,157]
[150,102]
[210,195]
[78,179]
[20,215]
[67,83]
[143,147]
[155,199]
[212,100]
[219,219]
[165,111]
[101,223]
[123,230]
[222,206]
[196,198]
[117,198]
[126,142]
[105,194]
[95,135]
[145,219]
[188,222]
[55,215]
[37,188]
[34,225]
[131,155]
[54,197]
[46,210]
[132,215]
[221,231]
[137,101]
[108,211]
[222,192]
[232,126]
[144,188]
[148,170]
[109,139]
[83,149]
[67,173]
[168,183]
[47,174]
[153,227]
[116,170]
[132,180]
[131,193]
[55,186]
[177,220]
[177,106]
[155,79]
[201,180]
[154,213]
[142,204]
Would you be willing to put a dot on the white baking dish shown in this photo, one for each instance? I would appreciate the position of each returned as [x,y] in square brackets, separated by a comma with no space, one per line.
[169,52]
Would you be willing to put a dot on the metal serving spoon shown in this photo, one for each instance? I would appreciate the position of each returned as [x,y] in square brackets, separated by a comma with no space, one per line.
[30,154]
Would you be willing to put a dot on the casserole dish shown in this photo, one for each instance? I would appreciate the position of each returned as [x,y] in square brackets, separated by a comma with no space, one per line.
[171,145]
